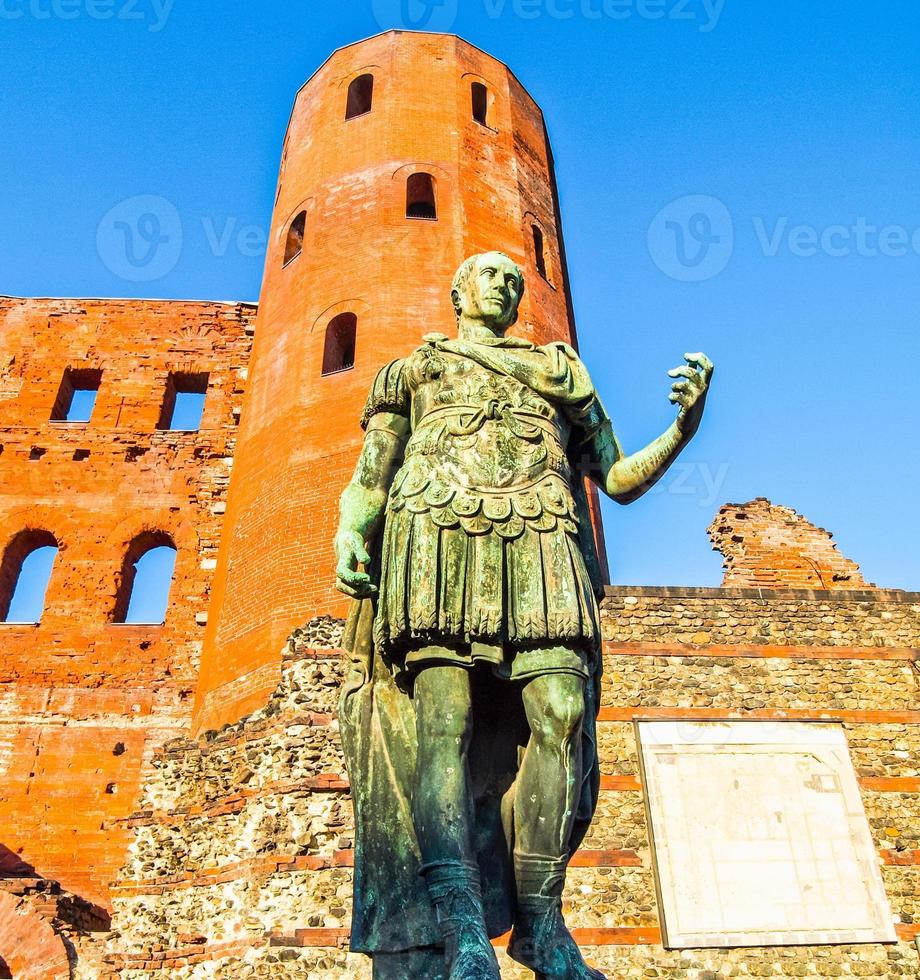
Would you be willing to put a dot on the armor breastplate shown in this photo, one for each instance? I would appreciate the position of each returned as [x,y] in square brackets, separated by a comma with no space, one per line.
[485,451]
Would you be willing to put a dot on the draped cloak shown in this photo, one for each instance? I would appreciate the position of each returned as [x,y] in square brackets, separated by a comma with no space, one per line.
[376,711]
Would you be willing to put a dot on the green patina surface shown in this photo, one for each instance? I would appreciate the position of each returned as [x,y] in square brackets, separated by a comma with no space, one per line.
[468,714]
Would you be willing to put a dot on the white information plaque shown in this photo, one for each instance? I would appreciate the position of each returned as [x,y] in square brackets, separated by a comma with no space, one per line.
[759,836]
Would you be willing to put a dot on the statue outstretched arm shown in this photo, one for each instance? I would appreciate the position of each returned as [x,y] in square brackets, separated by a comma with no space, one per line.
[363,503]
[626,478]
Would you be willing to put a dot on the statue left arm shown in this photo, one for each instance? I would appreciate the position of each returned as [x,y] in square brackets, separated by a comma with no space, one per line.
[626,478]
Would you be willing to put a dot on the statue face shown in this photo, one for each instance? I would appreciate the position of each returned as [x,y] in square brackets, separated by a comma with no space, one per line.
[492,292]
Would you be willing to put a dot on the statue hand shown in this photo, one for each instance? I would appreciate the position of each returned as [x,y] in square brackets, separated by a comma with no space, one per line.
[691,392]
[351,552]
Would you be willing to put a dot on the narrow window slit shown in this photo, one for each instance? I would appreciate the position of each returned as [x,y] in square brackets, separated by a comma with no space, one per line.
[360,97]
[421,201]
[339,349]
[480,103]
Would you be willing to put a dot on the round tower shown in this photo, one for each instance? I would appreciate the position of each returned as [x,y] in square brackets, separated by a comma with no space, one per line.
[404,154]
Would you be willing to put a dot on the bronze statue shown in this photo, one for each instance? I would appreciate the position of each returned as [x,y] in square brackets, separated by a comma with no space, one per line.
[468,717]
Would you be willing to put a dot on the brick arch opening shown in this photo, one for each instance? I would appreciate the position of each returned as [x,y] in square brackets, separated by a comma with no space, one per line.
[293,244]
[140,546]
[421,196]
[20,547]
[339,346]
[360,100]
[29,947]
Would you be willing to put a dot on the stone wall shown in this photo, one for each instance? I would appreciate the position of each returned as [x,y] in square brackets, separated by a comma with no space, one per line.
[84,701]
[240,865]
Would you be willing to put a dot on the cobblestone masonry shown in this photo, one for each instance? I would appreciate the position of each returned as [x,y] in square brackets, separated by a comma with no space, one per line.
[240,865]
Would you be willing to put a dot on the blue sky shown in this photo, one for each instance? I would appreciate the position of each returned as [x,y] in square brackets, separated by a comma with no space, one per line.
[735,177]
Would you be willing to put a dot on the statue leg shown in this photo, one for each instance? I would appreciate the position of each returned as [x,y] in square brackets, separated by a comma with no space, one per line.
[442,812]
[546,798]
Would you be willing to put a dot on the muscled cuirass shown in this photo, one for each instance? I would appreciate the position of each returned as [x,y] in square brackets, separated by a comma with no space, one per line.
[486,452]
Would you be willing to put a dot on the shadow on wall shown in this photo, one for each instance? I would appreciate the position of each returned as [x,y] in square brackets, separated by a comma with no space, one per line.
[13,866]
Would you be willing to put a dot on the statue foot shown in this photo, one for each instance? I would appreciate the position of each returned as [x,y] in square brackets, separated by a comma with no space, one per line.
[455,893]
[541,942]
[473,957]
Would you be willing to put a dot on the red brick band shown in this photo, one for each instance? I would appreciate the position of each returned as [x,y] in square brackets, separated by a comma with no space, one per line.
[890,784]
[758,651]
[621,784]
[852,717]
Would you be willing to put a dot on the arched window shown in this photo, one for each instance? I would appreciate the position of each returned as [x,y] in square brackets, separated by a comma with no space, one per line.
[360,96]
[294,244]
[539,252]
[24,575]
[420,197]
[146,577]
[480,103]
[339,351]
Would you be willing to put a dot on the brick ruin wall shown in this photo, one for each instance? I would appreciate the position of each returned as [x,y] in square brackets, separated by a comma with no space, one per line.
[765,545]
[85,702]
[241,860]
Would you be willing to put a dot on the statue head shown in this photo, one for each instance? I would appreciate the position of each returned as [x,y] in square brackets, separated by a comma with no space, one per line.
[487,290]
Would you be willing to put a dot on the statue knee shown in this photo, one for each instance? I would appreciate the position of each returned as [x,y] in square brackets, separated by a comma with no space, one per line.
[452,724]
[555,706]
[443,711]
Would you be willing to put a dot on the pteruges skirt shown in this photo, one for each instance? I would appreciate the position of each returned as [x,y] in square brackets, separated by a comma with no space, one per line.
[482,596]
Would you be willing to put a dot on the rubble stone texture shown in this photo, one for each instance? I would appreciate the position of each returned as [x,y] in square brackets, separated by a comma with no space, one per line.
[241,861]
[763,544]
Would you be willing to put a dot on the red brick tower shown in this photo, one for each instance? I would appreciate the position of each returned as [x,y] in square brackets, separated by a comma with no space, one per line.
[404,154]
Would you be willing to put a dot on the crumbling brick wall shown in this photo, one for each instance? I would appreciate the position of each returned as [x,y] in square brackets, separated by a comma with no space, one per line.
[47,933]
[86,701]
[763,544]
